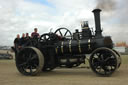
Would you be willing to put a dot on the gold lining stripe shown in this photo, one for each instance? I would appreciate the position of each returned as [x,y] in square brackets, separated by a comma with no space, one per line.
[62,43]
[89,41]
[70,49]
[56,50]
[79,46]
[86,28]
[89,46]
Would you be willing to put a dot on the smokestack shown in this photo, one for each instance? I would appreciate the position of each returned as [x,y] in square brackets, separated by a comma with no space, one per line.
[98,31]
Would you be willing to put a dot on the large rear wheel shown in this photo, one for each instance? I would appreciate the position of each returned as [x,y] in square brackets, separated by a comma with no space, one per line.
[29,61]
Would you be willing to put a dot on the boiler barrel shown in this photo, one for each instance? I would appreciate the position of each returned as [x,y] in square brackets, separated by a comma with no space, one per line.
[85,46]
[74,46]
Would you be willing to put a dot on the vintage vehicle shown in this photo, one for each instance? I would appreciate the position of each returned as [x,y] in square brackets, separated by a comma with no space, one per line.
[5,56]
[64,49]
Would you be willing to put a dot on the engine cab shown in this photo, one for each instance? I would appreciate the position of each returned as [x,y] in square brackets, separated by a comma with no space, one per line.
[85,34]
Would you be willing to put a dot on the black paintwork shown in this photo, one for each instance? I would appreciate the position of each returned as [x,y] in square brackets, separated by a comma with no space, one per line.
[62,50]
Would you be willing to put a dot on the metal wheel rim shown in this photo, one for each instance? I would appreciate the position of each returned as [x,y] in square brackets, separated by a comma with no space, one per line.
[32,69]
[63,35]
[45,37]
[119,58]
[104,68]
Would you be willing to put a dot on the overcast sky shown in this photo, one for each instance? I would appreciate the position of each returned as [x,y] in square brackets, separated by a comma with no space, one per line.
[21,16]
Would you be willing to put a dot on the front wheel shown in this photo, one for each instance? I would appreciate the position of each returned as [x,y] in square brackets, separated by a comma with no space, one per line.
[119,57]
[103,61]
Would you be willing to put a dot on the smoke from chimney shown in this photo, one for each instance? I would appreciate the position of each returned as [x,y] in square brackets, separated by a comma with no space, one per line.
[117,19]
[106,5]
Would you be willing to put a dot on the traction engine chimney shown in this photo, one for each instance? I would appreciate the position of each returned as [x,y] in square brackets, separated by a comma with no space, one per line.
[98,31]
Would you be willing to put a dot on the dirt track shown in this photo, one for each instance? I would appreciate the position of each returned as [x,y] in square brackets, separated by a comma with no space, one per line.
[77,76]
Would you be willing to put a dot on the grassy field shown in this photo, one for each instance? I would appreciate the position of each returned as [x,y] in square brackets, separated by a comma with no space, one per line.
[76,76]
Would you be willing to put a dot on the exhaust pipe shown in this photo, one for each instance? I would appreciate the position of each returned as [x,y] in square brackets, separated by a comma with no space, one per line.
[98,31]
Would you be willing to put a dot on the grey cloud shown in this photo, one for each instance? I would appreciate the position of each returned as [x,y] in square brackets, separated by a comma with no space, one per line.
[21,16]
[15,18]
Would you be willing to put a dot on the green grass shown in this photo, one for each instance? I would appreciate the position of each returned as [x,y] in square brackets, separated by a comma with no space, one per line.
[124,59]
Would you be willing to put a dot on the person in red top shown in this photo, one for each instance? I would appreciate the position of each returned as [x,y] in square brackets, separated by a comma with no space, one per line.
[35,34]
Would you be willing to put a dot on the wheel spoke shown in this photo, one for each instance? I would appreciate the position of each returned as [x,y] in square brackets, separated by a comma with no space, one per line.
[60,33]
[99,56]
[65,33]
[96,64]
[102,58]
[33,57]
[23,64]
[29,58]
[31,69]
[100,69]
[108,58]
[44,37]
[48,39]
[30,55]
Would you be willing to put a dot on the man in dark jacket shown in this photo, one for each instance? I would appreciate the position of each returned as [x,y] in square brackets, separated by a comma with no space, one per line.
[27,40]
[27,36]
[22,40]
[17,41]
[16,46]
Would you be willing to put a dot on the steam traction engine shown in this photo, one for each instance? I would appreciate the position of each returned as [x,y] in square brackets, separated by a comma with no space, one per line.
[62,49]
